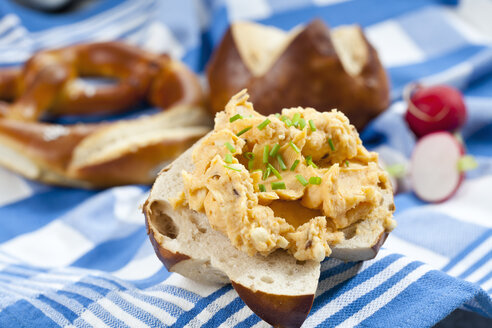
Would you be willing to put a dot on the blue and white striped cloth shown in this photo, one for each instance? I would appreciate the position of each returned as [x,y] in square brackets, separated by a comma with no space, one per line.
[82,258]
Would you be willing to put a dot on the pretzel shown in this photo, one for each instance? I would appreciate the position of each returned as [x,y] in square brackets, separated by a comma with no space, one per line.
[104,154]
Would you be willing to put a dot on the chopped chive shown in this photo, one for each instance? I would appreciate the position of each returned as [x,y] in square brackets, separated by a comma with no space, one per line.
[295,119]
[309,161]
[230,147]
[274,171]
[265,154]
[315,180]
[346,163]
[281,162]
[277,115]
[249,155]
[294,165]
[243,131]
[232,168]
[262,187]
[288,122]
[263,124]
[330,142]
[302,123]
[228,158]
[274,150]
[266,173]
[302,180]
[283,118]
[251,164]
[311,124]
[278,185]
[235,118]
[293,145]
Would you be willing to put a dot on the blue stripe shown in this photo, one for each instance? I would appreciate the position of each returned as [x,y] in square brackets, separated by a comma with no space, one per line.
[24,314]
[486,278]
[434,296]
[135,311]
[353,280]
[342,267]
[360,302]
[62,309]
[200,305]
[223,314]
[249,321]
[114,254]
[153,280]
[459,257]
[77,297]
[476,265]
[39,210]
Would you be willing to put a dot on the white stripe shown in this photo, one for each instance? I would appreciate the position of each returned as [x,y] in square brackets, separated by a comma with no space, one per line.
[358,291]
[472,257]
[171,298]
[114,31]
[8,21]
[15,35]
[91,320]
[237,317]
[198,288]
[487,285]
[386,297]
[139,268]
[472,203]
[262,324]
[117,312]
[480,272]
[212,308]
[411,250]
[159,313]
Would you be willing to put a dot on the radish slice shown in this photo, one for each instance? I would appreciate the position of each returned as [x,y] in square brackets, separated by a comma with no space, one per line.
[434,167]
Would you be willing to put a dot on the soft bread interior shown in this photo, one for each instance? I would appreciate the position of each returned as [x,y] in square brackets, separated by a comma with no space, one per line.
[173,125]
[260,46]
[189,233]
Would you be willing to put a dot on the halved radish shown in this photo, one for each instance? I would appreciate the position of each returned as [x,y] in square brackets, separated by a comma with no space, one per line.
[434,166]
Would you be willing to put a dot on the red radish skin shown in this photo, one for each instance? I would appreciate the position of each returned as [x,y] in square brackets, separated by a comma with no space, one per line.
[434,170]
[435,108]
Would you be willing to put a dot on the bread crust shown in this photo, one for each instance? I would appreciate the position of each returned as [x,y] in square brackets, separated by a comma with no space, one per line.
[309,73]
[278,310]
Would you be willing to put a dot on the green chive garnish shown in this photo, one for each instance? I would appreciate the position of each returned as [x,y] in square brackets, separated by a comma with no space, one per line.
[311,124]
[249,155]
[346,163]
[232,168]
[262,187]
[281,162]
[274,150]
[302,180]
[294,147]
[235,118]
[302,123]
[228,158]
[230,147]
[283,118]
[288,122]
[309,161]
[266,173]
[277,115]
[278,185]
[274,171]
[294,165]
[315,180]
[263,124]
[243,131]
[295,119]
[330,142]
[266,149]
[251,164]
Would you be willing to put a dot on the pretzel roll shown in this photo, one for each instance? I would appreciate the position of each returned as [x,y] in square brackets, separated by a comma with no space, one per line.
[105,154]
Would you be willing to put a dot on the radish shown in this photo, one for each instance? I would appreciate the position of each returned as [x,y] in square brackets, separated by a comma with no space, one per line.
[434,167]
[435,108]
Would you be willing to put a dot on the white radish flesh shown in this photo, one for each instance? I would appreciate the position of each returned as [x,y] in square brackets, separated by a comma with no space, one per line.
[434,170]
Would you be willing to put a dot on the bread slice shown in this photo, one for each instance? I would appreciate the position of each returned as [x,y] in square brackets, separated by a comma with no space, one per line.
[279,289]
